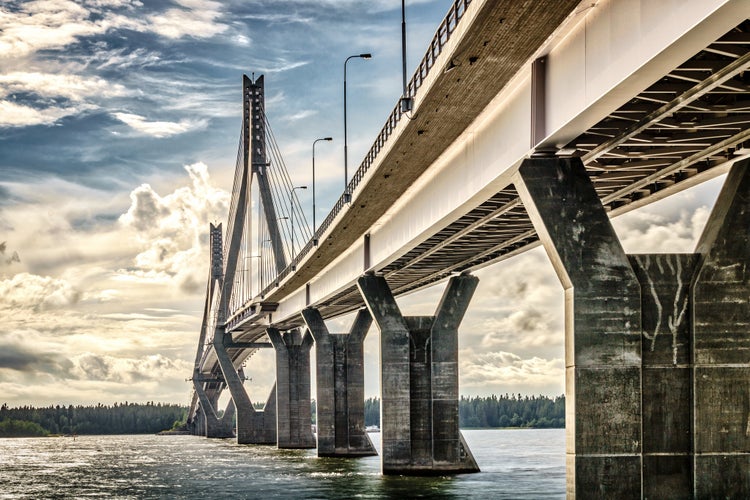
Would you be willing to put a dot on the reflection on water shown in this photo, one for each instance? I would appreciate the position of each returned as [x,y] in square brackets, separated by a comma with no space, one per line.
[514,463]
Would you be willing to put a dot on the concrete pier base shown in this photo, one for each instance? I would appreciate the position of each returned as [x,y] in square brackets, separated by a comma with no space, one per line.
[665,416]
[253,426]
[294,417]
[213,425]
[340,380]
[419,381]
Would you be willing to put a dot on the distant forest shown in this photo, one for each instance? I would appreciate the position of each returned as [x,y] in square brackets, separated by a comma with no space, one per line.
[123,418]
[149,418]
[497,411]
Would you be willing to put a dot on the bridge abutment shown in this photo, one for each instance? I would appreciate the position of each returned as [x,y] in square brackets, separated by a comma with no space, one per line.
[253,426]
[294,417]
[419,380]
[666,416]
[340,380]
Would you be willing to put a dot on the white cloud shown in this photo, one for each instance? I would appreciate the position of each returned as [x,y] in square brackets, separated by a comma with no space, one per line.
[197,19]
[169,228]
[17,115]
[44,24]
[36,293]
[68,86]
[48,88]
[487,372]
[159,128]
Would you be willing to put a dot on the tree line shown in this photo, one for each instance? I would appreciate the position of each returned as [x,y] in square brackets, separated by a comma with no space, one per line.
[122,418]
[496,411]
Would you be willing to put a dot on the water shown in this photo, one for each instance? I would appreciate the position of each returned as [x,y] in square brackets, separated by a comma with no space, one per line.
[515,464]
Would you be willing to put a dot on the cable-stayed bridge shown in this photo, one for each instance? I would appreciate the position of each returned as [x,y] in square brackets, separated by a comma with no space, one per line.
[533,122]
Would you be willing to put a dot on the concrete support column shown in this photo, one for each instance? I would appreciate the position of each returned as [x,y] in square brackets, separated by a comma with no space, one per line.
[721,345]
[214,427]
[253,426]
[667,372]
[419,380]
[603,328]
[294,417]
[340,377]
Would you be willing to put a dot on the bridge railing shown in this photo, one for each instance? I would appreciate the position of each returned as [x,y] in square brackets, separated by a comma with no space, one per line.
[442,35]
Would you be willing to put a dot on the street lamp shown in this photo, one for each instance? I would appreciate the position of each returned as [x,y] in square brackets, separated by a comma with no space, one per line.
[291,213]
[315,227]
[347,195]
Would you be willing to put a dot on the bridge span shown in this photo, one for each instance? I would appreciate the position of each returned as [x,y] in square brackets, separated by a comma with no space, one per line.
[533,123]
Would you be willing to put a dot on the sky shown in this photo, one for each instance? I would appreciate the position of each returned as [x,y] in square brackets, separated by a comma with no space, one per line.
[119,125]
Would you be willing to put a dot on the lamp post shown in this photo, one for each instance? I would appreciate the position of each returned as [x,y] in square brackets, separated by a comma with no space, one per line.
[291,213]
[315,227]
[347,195]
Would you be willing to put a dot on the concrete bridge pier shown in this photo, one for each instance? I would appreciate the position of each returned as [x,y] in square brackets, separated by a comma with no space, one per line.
[657,346]
[212,425]
[340,376]
[419,380]
[253,426]
[294,417]
[197,426]
[603,328]
[721,344]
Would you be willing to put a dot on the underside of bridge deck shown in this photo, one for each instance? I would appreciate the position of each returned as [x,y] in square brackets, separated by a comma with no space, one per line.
[653,341]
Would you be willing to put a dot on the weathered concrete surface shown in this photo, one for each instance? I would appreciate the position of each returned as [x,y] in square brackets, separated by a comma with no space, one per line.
[253,426]
[694,356]
[667,372]
[212,425]
[721,344]
[419,380]
[603,328]
[340,380]
[293,414]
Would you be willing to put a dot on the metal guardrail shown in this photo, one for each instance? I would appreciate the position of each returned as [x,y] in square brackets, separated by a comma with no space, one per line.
[443,34]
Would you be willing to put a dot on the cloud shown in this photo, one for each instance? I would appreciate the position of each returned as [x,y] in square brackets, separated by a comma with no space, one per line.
[487,372]
[647,231]
[159,128]
[48,97]
[39,25]
[21,356]
[36,293]
[90,366]
[301,115]
[169,229]
[31,26]
[68,86]
[7,260]
[196,18]
[123,58]
[18,115]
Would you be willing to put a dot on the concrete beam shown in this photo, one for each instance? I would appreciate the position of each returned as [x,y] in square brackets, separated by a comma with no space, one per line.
[293,417]
[340,379]
[419,381]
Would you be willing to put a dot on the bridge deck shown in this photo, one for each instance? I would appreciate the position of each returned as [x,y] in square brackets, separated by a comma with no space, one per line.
[679,129]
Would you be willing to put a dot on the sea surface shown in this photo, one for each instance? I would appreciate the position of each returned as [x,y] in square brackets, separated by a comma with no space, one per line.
[528,463]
